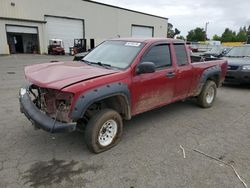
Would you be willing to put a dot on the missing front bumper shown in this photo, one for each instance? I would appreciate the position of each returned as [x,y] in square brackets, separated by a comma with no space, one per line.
[39,119]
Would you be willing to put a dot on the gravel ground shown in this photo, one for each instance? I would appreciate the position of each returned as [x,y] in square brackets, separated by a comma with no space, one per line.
[149,154]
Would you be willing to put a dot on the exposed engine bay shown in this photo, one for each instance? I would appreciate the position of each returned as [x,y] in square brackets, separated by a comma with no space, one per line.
[54,103]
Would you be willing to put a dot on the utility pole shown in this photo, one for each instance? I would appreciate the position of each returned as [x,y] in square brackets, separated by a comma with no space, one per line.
[206,29]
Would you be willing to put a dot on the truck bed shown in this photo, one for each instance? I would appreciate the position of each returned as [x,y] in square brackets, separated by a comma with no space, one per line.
[195,59]
[200,67]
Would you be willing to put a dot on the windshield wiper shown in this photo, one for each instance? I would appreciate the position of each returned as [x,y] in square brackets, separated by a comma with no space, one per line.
[107,66]
[102,64]
[85,61]
[233,56]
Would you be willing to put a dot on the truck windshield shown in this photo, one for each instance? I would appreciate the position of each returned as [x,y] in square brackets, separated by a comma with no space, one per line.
[118,54]
[239,51]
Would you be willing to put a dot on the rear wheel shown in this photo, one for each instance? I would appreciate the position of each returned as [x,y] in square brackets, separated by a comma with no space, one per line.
[207,96]
[103,131]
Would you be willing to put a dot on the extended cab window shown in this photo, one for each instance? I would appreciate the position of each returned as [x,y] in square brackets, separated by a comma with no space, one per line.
[181,54]
[160,55]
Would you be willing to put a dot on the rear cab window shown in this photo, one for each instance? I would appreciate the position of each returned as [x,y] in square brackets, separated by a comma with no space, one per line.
[160,55]
[181,54]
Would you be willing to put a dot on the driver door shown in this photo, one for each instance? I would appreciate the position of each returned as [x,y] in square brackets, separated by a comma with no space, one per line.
[151,90]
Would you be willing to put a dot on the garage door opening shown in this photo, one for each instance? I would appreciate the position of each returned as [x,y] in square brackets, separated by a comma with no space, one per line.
[65,29]
[22,39]
[142,31]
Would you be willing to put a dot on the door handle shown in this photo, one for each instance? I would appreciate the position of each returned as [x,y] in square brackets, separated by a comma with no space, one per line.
[170,74]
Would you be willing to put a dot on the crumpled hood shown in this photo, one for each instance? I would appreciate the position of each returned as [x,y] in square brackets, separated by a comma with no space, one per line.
[61,74]
[237,61]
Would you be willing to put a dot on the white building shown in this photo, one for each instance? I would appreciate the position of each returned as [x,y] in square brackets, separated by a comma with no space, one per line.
[27,25]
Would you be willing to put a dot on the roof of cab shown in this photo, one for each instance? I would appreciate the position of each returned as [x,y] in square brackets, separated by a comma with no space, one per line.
[149,40]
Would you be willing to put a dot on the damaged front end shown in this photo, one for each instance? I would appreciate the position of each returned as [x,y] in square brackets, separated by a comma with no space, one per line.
[48,109]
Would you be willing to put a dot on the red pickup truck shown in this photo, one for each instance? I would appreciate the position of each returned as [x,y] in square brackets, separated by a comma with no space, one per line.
[117,80]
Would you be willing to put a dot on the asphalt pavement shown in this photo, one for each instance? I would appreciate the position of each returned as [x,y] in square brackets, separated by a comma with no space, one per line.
[149,154]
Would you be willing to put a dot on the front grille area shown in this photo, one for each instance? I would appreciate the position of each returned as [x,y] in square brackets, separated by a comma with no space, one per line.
[54,103]
[232,67]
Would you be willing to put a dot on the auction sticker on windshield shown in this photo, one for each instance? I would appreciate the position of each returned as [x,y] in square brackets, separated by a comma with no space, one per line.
[134,44]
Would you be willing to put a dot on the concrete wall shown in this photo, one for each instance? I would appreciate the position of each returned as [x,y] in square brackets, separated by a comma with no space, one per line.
[101,22]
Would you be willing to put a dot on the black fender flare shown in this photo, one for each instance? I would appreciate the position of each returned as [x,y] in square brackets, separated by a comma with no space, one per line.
[208,73]
[98,94]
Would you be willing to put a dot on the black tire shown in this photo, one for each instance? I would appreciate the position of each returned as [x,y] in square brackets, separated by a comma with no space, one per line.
[203,96]
[94,127]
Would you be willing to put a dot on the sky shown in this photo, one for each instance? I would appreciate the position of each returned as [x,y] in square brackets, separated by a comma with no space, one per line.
[189,14]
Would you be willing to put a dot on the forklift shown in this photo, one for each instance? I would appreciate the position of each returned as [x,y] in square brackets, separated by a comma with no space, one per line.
[79,46]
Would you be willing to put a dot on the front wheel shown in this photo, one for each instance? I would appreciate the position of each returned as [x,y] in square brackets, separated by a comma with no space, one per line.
[207,96]
[103,131]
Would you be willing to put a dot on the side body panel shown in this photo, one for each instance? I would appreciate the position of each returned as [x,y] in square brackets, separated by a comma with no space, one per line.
[153,90]
[162,87]
[183,84]
[204,70]
[184,77]
[108,90]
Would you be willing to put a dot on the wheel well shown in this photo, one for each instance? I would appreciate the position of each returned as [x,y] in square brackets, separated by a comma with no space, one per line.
[118,103]
[215,78]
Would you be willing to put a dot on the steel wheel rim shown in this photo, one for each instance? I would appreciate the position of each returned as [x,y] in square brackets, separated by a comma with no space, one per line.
[210,95]
[107,133]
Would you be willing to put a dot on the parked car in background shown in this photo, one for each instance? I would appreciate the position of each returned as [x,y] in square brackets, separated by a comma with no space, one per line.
[216,51]
[116,81]
[238,65]
[193,48]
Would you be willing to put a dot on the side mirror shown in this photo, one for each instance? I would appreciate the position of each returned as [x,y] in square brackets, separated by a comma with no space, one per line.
[224,52]
[145,67]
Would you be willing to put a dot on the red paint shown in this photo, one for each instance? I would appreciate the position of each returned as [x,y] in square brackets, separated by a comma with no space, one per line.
[147,91]
[59,74]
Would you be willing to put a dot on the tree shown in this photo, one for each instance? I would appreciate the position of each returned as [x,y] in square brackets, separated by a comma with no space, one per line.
[231,36]
[171,31]
[196,35]
[217,38]
[248,35]
[228,36]
[248,31]
[181,37]
[176,32]
[242,35]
